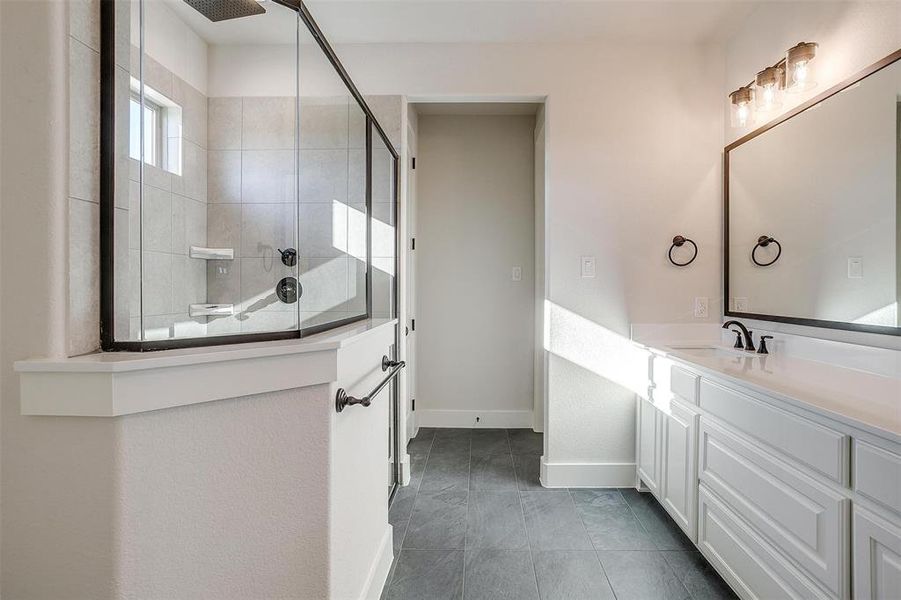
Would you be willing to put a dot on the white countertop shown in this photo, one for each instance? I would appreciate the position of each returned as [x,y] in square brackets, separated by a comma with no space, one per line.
[118,362]
[122,383]
[866,400]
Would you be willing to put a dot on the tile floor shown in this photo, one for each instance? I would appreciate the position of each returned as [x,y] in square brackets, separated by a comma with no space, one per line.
[476,524]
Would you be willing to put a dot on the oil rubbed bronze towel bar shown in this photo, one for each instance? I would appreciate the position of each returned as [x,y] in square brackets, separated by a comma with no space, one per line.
[342,400]
[678,242]
[762,242]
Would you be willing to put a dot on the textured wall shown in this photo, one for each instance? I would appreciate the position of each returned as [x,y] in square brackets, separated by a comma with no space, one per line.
[475,222]
[226,499]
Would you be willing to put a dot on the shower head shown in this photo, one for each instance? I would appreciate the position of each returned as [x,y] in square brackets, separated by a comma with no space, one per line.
[223,10]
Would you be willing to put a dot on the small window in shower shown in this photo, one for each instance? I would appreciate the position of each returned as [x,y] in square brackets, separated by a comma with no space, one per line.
[242,200]
[157,128]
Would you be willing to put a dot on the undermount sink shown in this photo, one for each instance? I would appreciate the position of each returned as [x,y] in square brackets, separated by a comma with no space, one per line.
[709,351]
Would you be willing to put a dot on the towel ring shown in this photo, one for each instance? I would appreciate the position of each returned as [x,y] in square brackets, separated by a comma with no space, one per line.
[678,242]
[762,242]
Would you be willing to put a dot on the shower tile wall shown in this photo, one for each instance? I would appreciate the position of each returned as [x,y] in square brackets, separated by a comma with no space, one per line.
[174,219]
[251,209]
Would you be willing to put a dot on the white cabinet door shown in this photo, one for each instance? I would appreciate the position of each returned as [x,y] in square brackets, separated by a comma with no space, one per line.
[679,483]
[877,557]
[649,445]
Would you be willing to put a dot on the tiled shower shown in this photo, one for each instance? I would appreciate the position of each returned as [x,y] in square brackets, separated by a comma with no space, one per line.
[244,196]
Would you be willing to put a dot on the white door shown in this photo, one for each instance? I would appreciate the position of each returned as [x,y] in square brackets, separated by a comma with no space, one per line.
[409,328]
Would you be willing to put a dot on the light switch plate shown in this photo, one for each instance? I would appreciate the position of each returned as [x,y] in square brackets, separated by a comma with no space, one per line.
[702,307]
[855,267]
[741,305]
[589,267]
[517,273]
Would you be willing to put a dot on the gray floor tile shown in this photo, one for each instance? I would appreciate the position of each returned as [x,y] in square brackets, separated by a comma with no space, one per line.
[449,471]
[528,472]
[402,505]
[492,473]
[499,575]
[417,468]
[490,441]
[571,575]
[662,530]
[494,520]
[641,576]
[419,446]
[597,497]
[614,527]
[438,521]
[426,433]
[398,532]
[525,441]
[452,440]
[428,575]
[553,523]
[698,576]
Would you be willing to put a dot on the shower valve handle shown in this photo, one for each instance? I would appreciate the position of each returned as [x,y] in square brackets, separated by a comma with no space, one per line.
[289,257]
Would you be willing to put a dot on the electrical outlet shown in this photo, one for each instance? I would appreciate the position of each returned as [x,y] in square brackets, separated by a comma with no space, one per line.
[589,267]
[517,273]
[741,305]
[702,307]
[855,267]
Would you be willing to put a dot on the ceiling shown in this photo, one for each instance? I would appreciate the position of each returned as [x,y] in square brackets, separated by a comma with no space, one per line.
[488,21]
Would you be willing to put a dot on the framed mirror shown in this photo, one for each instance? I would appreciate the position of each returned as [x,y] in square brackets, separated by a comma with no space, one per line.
[812,209]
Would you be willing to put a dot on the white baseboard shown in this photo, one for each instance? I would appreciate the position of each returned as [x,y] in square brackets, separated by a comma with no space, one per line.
[502,419]
[405,470]
[381,567]
[591,475]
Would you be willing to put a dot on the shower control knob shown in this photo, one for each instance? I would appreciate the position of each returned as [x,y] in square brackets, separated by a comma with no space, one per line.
[288,290]
[289,257]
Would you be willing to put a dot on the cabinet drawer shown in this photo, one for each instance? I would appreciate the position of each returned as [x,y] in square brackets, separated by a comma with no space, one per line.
[877,557]
[877,474]
[809,443]
[744,559]
[684,384]
[804,518]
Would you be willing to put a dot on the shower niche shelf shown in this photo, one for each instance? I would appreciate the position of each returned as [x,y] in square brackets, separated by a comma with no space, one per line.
[211,310]
[212,253]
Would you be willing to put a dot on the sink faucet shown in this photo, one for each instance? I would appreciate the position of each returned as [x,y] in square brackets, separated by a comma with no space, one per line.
[749,337]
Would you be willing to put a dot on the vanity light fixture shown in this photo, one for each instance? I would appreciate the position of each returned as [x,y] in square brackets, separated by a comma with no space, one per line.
[770,82]
[797,63]
[764,94]
[742,106]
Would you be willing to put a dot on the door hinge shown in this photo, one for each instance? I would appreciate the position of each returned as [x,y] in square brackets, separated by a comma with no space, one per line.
[413,324]
[406,331]
[412,243]
[414,403]
[414,163]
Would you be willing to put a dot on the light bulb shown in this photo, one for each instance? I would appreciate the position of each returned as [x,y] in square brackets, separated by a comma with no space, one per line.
[742,106]
[797,62]
[800,74]
[743,113]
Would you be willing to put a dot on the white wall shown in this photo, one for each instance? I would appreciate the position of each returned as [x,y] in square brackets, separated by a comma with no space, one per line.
[172,43]
[627,170]
[852,36]
[475,222]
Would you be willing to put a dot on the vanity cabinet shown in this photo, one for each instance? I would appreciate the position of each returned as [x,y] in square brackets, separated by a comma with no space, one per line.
[877,556]
[679,484]
[667,459]
[784,502]
[650,434]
